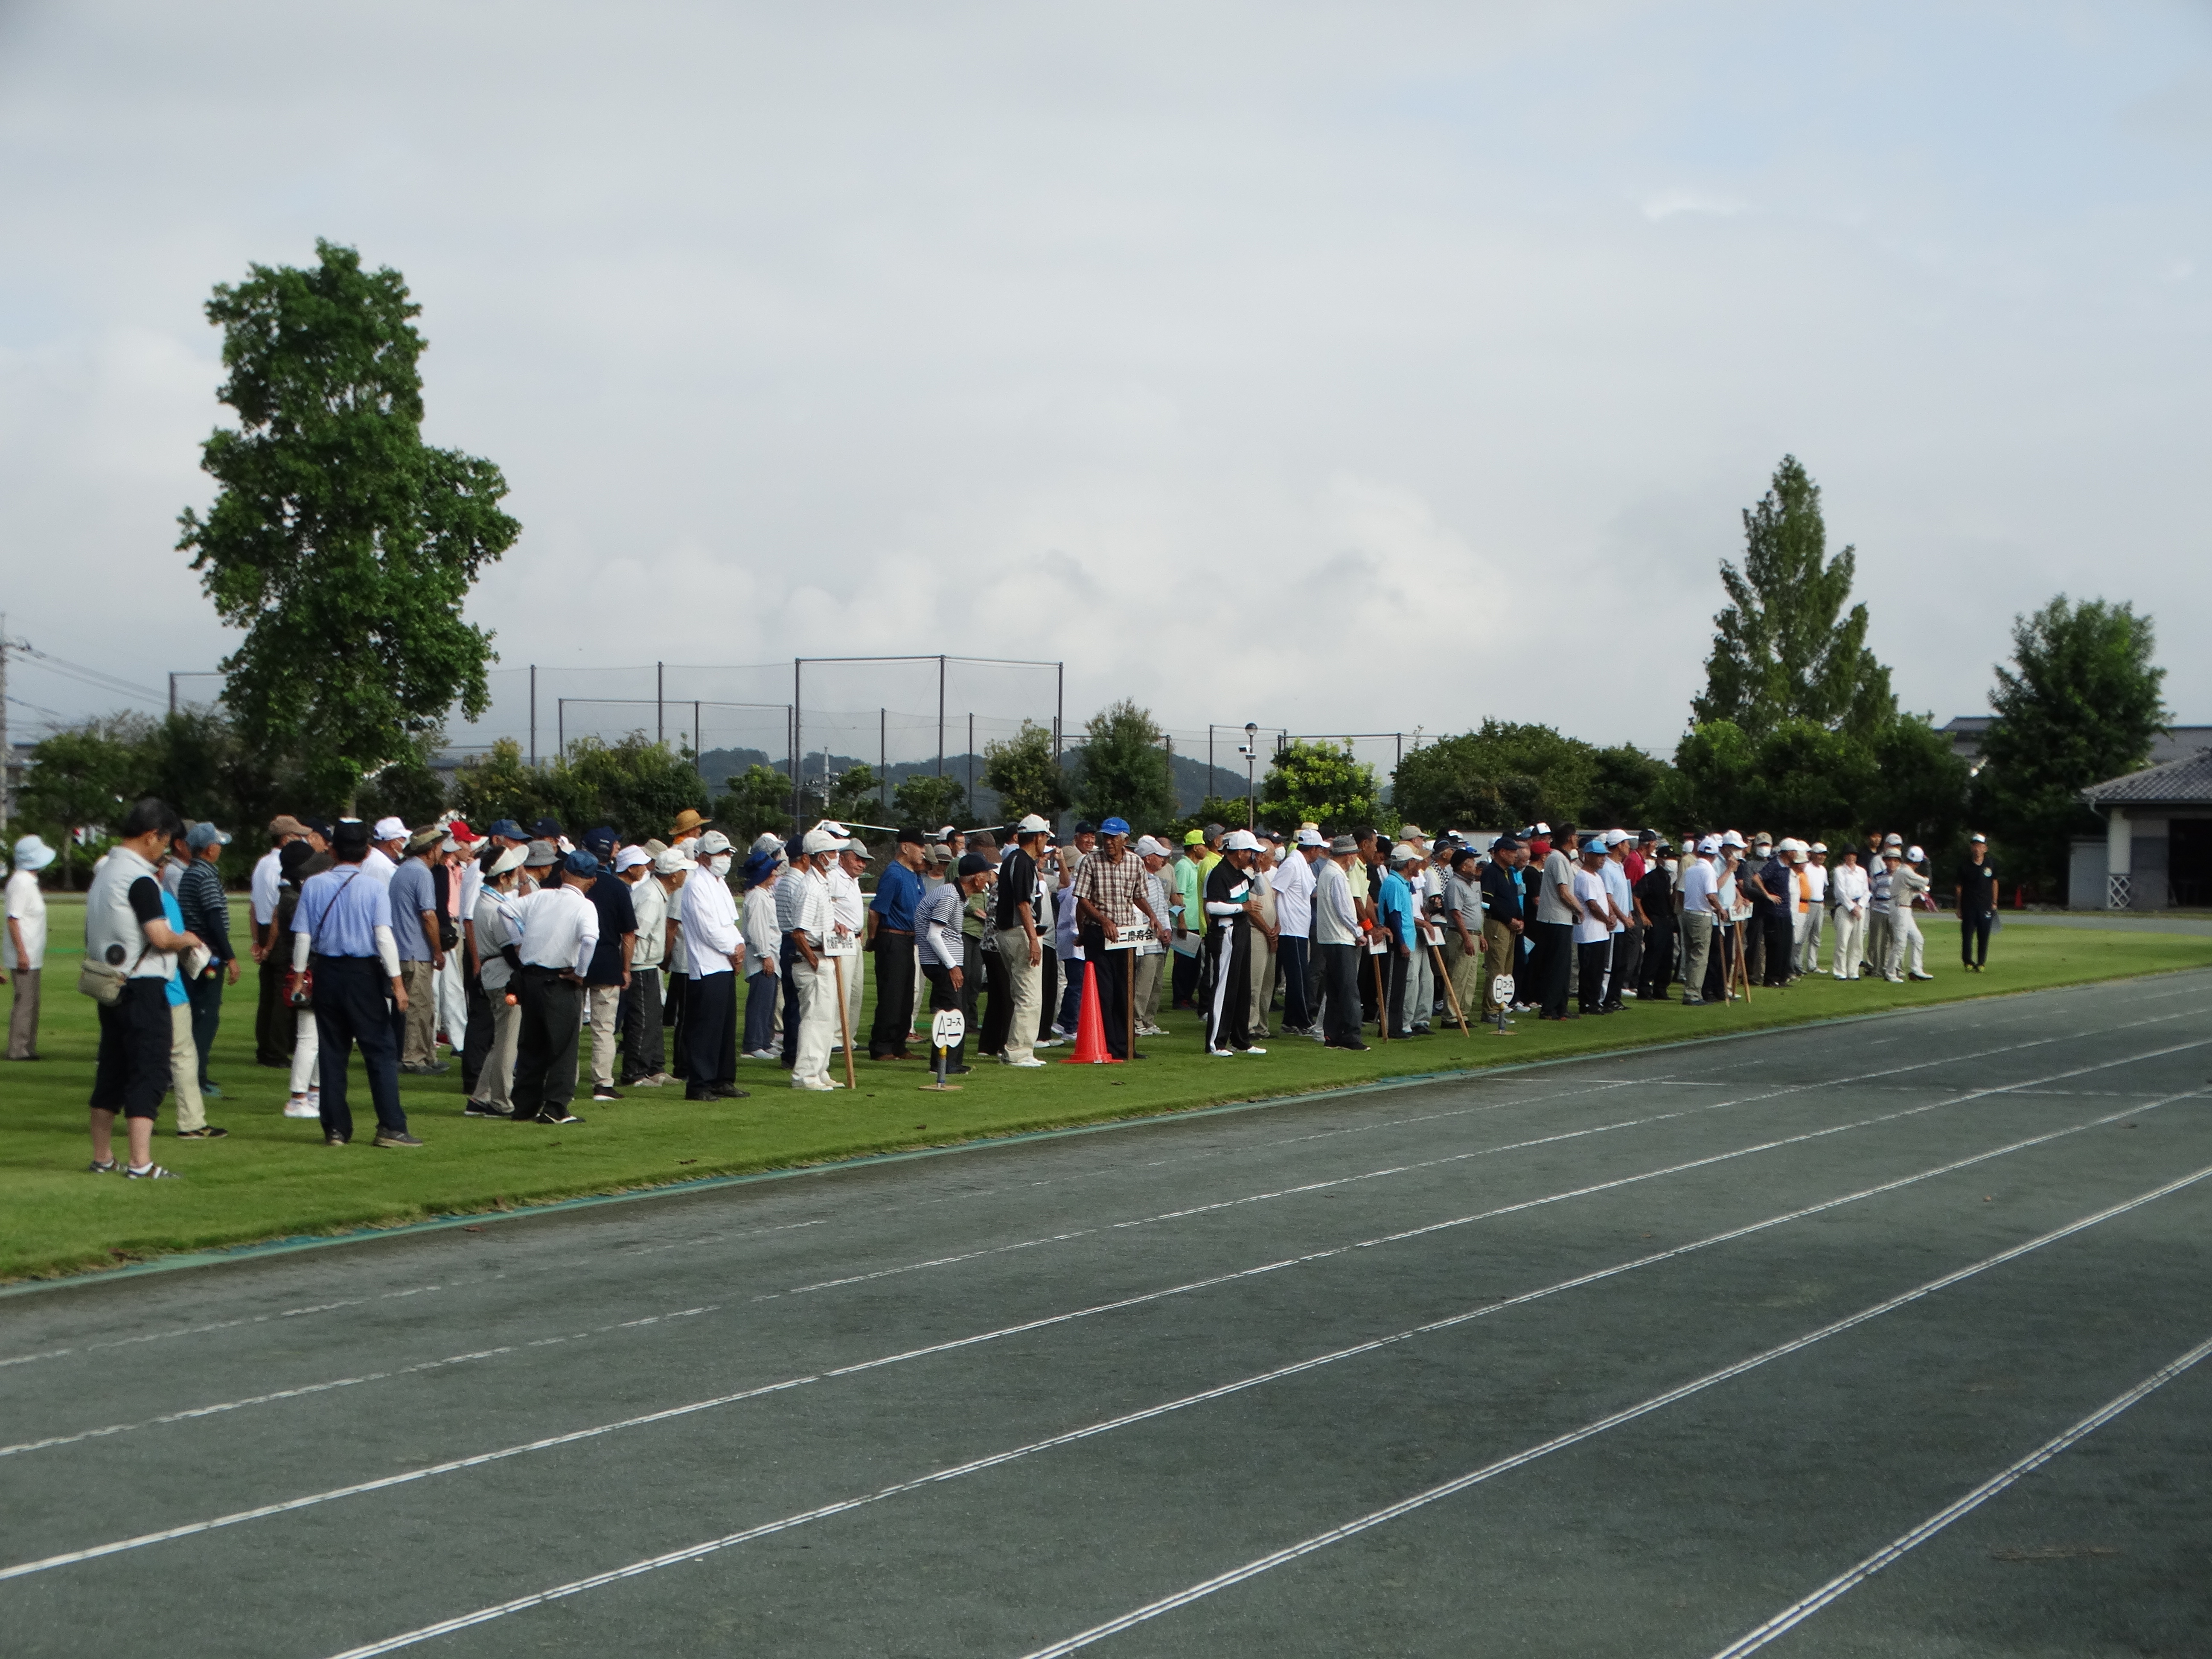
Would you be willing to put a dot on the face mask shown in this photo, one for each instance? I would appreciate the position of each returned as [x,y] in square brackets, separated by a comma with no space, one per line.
[721,864]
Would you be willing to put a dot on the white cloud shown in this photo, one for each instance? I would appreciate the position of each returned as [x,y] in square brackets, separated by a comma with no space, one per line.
[1673,204]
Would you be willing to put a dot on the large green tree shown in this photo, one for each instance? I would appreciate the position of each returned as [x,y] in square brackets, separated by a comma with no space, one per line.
[342,544]
[1323,783]
[1499,776]
[1124,772]
[1025,774]
[1785,648]
[2082,701]
[927,801]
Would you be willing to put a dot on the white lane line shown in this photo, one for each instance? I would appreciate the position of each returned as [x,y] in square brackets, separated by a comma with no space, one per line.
[219,1325]
[1520,1459]
[574,1437]
[1143,1297]
[995,1460]
[1797,1611]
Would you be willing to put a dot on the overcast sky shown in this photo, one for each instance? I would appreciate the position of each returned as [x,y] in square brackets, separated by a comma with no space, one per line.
[1353,366]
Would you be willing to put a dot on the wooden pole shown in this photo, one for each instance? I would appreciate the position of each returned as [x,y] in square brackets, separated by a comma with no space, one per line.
[1129,996]
[1742,975]
[1451,992]
[1382,1000]
[845,1023]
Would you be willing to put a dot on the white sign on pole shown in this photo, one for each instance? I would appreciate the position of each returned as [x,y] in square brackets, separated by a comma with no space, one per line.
[1501,989]
[947,1027]
[1133,936]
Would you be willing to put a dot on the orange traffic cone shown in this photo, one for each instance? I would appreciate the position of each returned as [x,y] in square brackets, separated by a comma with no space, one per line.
[1090,1028]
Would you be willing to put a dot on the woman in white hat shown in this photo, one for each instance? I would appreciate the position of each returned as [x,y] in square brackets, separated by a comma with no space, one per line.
[23,947]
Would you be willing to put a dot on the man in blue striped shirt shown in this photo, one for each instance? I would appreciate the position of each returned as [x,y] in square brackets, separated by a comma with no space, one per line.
[342,928]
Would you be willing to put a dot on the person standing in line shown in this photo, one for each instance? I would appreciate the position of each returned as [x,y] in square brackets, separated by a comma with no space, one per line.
[206,912]
[388,847]
[417,931]
[1225,988]
[1880,879]
[298,860]
[1021,947]
[127,932]
[272,1020]
[560,937]
[1336,938]
[1504,921]
[975,920]
[937,927]
[1111,893]
[184,1053]
[479,1019]
[1977,886]
[1293,882]
[811,971]
[1694,902]
[715,953]
[1067,942]
[790,897]
[891,936]
[849,911]
[176,858]
[1655,910]
[643,1059]
[1848,891]
[1909,887]
[1773,897]
[1559,912]
[1625,961]
[341,929]
[1812,891]
[671,866]
[1189,873]
[496,932]
[1152,958]
[1264,933]
[23,945]
[608,976]
[1393,925]
[1593,925]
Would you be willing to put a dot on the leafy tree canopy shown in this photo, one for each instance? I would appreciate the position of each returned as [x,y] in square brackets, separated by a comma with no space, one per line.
[1785,649]
[2081,703]
[636,785]
[1125,768]
[1025,774]
[927,801]
[1324,783]
[1499,776]
[341,543]
[1800,778]
[752,803]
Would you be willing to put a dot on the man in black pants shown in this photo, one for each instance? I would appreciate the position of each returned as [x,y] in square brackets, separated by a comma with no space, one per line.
[560,933]
[1110,892]
[341,929]
[1558,911]
[1224,993]
[1773,892]
[890,936]
[1977,904]
[1336,944]
[127,931]
[1655,908]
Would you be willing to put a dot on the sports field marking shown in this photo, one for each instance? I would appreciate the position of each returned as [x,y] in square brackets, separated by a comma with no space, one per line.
[576,1436]
[219,1325]
[996,1459]
[1797,1611]
[1574,1437]
[1138,1300]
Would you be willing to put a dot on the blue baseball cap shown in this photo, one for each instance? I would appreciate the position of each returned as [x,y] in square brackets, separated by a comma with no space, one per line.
[507,829]
[580,864]
[601,841]
[1114,827]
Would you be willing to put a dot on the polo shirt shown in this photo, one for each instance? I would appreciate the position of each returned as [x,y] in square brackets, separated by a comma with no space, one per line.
[1977,887]
[27,909]
[1018,879]
[1589,888]
[1394,906]
[173,913]
[1502,891]
[899,891]
[413,889]
[610,897]
[1293,882]
[1698,888]
[1617,889]
[268,879]
[341,910]
[1559,872]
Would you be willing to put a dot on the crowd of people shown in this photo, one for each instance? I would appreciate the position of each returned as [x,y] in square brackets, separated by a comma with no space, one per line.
[546,967]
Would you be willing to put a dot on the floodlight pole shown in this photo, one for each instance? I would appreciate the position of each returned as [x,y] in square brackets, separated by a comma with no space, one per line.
[560,727]
[661,703]
[533,714]
[971,760]
[883,757]
[940,717]
[1251,761]
[795,750]
[1058,710]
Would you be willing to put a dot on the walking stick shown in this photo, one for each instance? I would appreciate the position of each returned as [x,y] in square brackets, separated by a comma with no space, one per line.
[1381,1001]
[1742,975]
[1451,992]
[845,1023]
[1129,996]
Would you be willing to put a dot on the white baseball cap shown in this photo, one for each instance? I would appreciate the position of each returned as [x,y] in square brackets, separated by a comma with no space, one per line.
[1729,838]
[1310,836]
[1614,837]
[1710,846]
[1033,825]
[1240,841]
[1914,855]
[819,840]
[1148,848]
[671,862]
[389,829]
[630,858]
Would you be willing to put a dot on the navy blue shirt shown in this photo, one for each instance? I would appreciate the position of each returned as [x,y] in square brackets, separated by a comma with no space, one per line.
[609,897]
[898,892]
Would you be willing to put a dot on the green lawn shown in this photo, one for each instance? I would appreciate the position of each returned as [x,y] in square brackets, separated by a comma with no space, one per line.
[274,1178]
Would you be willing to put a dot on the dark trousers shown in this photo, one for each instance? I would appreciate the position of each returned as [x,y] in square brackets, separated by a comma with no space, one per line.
[760,992]
[1396,962]
[1225,992]
[1184,981]
[944,994]
[132,1072]
[1554,941]
[785,958]
[1658,966]
[1974,939]
[1628,965]
[1071,995]
[1116,969]
[552,1008]
[999,1013]
[273,1032]
[971,979]
[206,994]
[476,1047]
[352,1005]
[1720,965]
[710,1030]
[643,1055]
[1291,969]
[1048,994]
[894,996]
[1780,929]
[1340,990]
[672,1020]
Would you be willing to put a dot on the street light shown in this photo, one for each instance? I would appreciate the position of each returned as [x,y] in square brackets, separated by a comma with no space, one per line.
[1251,753]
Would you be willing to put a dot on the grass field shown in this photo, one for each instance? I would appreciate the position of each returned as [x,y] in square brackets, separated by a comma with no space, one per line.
[273,1177]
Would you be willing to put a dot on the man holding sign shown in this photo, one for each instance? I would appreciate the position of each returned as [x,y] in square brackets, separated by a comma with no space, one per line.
[1114,915]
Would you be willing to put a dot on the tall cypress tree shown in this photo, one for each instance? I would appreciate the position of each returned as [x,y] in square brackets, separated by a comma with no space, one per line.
[1784,648]
[341,543]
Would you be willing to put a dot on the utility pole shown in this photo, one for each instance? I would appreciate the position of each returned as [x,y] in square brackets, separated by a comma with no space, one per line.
[940,717]
[173,692]
[1058,710]
[971,760]
[883,758]
[7,752]
[533,715]
[661,703]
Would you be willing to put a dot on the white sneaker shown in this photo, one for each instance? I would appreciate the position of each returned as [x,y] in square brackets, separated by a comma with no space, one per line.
[1256,1049]
[298,1107]
[1024,1065]
[817,1085]
[1222,1053]
[763,1054]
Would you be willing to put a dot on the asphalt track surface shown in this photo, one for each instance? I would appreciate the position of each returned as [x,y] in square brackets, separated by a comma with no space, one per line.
[1650,1354]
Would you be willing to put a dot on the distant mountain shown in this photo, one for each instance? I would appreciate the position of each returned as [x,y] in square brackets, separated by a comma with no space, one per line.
[1193,779]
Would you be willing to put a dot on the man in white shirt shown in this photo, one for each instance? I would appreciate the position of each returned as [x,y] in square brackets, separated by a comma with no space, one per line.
[848,914]
[1812,892]
[714,950]
[1293,882]
[560,932]
[1908,888]
[813,973]
[644,1056]
[1693,899]
[23,945]
[387,845]
[1849,889]
[1593,925]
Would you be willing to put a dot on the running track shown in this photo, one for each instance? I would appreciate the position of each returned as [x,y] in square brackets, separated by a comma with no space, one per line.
[1879,1338]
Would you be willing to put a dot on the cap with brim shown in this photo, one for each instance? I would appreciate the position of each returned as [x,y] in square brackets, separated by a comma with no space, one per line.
[1729,838]
[285,825]
[459,831]
[1460,854]
[1239,841]
[1148,848]
[541,855]
[1114,827]
[1914,855]
[1983,839]
[510,858]
[974,864]
[201,837]
[507,829]
[939,853]
[1194,838]
[820,841]
[545,829]
[602,841]
[632,858]
[1412,832]
[391,830]
[1893,841]
[1085,827]
[688,823]
[423,840]
[1031,825]
[711,845]
[1340,844]
[580,863]
[856,847]
[1818,846]
[33,853]
[1710,846]
[1615,837]
[1505,844]
[1403,854]
[911,838]
[1312,838]
[672,862]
